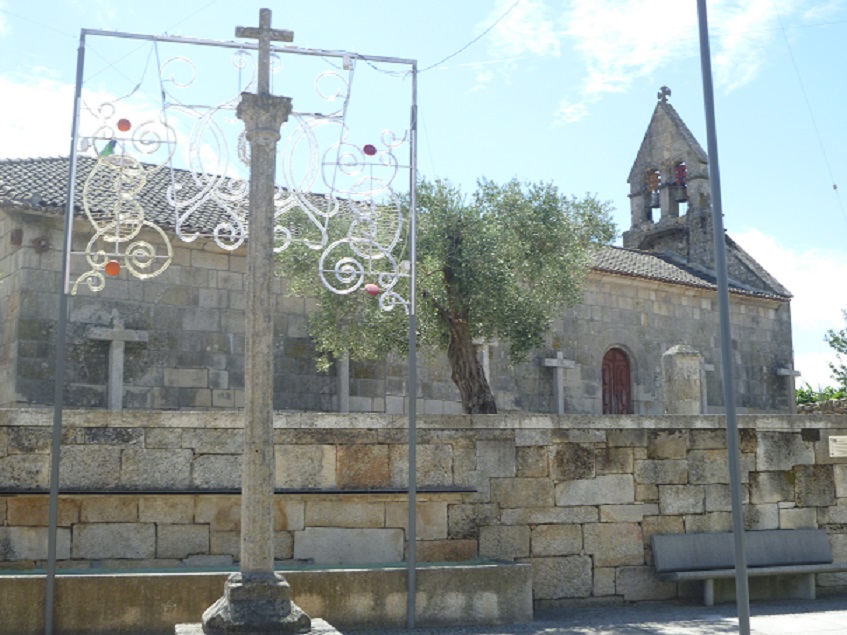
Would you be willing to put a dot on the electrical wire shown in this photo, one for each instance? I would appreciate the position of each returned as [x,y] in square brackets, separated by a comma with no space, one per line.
[811,112]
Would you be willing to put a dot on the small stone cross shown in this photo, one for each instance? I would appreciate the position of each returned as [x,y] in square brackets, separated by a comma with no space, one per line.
[560,364]
[265,34]
[664,93]
[117,336]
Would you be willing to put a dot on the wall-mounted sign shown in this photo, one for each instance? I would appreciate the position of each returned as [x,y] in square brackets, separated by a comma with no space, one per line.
[837,447]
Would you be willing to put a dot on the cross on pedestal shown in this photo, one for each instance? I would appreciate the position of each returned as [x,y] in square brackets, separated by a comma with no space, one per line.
[560,364]
[257,599]
[117,336]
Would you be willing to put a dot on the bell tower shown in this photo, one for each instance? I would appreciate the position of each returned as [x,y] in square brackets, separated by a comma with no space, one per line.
[669,191]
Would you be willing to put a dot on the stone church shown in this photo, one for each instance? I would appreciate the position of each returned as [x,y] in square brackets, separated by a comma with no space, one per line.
[649,316]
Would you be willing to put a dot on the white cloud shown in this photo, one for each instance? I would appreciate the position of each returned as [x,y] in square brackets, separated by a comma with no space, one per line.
[811,275]
[4,22]
[528,28]
[37,123]
[568,112]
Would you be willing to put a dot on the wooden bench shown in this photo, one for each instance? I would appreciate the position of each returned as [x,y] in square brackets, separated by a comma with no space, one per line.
[775,552]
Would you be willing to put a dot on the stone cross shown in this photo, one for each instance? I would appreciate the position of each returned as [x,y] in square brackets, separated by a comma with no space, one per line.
[117,336]
[664,93]
[257,599]
[560,364]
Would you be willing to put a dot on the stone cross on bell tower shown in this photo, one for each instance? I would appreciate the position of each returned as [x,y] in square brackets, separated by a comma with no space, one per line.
[257,599]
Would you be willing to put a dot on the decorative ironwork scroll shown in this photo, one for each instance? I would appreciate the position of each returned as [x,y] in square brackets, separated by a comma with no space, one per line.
[183,173]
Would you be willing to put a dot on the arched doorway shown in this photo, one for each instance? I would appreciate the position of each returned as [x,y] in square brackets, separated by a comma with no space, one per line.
[617,393]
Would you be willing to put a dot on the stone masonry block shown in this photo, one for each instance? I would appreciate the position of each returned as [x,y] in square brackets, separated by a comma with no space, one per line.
[221,513]
[627,513]
[212,471]
[83,466]
[604,581]
[667,444]
[556,540]
[840,475]
[30,543]
[771,487]
[521,492]
[614,544]
[758,517]
[814,486]
[363,466]
[708,466]
[166,469]
[505,543]
[181,541]
[531,461]
[342,513]
[665,472]
[638,584]
[572,461]
[289,515]
[798,518]
[335,545]
[305,466]
[558,578]
[713,521]
[447,550]
[434,464]
[166,509]
[33,511]
[430,523]
[681,499]
[187,377]
[778,451]
[109,509]
[496,458]
[465,519]
[612,489]
[114,540]
[613,461]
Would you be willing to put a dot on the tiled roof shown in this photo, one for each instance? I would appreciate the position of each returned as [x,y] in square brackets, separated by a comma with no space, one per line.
[665,267]
[41,184]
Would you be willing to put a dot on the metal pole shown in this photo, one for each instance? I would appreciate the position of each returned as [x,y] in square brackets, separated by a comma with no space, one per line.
[61,338]
[413,354]
[742,597]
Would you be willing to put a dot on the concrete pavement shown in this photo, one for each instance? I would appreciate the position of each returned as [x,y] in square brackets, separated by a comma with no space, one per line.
[825,616]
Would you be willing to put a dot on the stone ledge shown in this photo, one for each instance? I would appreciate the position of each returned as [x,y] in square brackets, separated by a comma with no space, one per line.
[319,627]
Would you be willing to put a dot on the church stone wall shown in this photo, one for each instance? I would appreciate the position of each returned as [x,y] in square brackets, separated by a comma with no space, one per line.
[193,358]
[576,497]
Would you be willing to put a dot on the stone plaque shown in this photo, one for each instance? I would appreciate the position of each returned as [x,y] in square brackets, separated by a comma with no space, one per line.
[837,447]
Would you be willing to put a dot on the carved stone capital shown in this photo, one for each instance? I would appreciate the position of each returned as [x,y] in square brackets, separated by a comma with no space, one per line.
[263,115]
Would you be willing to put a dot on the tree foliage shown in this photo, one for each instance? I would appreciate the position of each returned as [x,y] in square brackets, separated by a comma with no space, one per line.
[838,341]
[495,266]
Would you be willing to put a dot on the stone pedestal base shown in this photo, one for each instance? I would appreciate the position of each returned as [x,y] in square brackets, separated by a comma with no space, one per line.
[319,627]
[255,604]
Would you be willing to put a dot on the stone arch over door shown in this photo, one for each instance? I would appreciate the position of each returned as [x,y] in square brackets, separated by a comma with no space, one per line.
[617,383]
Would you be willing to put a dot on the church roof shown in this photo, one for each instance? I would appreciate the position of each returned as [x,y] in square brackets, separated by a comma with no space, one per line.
[670,268]
[40,184]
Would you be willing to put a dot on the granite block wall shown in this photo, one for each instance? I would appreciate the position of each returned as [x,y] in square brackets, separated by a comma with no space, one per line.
[577,497]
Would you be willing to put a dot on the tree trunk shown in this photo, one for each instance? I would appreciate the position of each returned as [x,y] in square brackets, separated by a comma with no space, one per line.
[467,371]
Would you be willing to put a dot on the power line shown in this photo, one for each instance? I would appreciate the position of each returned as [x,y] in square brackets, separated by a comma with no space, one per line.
[811,112]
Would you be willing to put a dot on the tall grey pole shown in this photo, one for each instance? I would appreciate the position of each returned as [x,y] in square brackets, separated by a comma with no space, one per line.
[742,596]
[61,338]
[413,356]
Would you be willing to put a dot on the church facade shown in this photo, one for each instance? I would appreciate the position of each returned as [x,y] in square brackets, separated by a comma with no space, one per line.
[176,341]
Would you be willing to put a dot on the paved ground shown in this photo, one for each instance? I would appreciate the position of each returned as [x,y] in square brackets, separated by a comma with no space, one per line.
[826,616]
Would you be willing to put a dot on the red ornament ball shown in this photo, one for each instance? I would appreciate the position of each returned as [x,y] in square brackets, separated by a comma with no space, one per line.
[113,267]
[372,288]
[124,125]
[370,150]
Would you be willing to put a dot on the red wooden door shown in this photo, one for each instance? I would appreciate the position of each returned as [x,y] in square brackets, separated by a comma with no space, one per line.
[616,383]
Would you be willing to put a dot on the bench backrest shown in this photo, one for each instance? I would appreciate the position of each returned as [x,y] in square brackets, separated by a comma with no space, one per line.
[773,547]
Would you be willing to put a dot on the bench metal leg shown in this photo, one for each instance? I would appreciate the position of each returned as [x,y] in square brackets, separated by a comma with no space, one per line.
[709,592]
[809,584]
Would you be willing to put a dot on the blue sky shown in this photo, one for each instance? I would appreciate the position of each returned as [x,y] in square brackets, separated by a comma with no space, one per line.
[558,91]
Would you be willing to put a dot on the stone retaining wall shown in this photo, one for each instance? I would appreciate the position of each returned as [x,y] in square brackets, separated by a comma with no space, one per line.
[829,407]
[576,497]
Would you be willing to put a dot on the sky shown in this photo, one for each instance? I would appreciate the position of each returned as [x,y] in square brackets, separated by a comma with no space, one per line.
[539,90]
